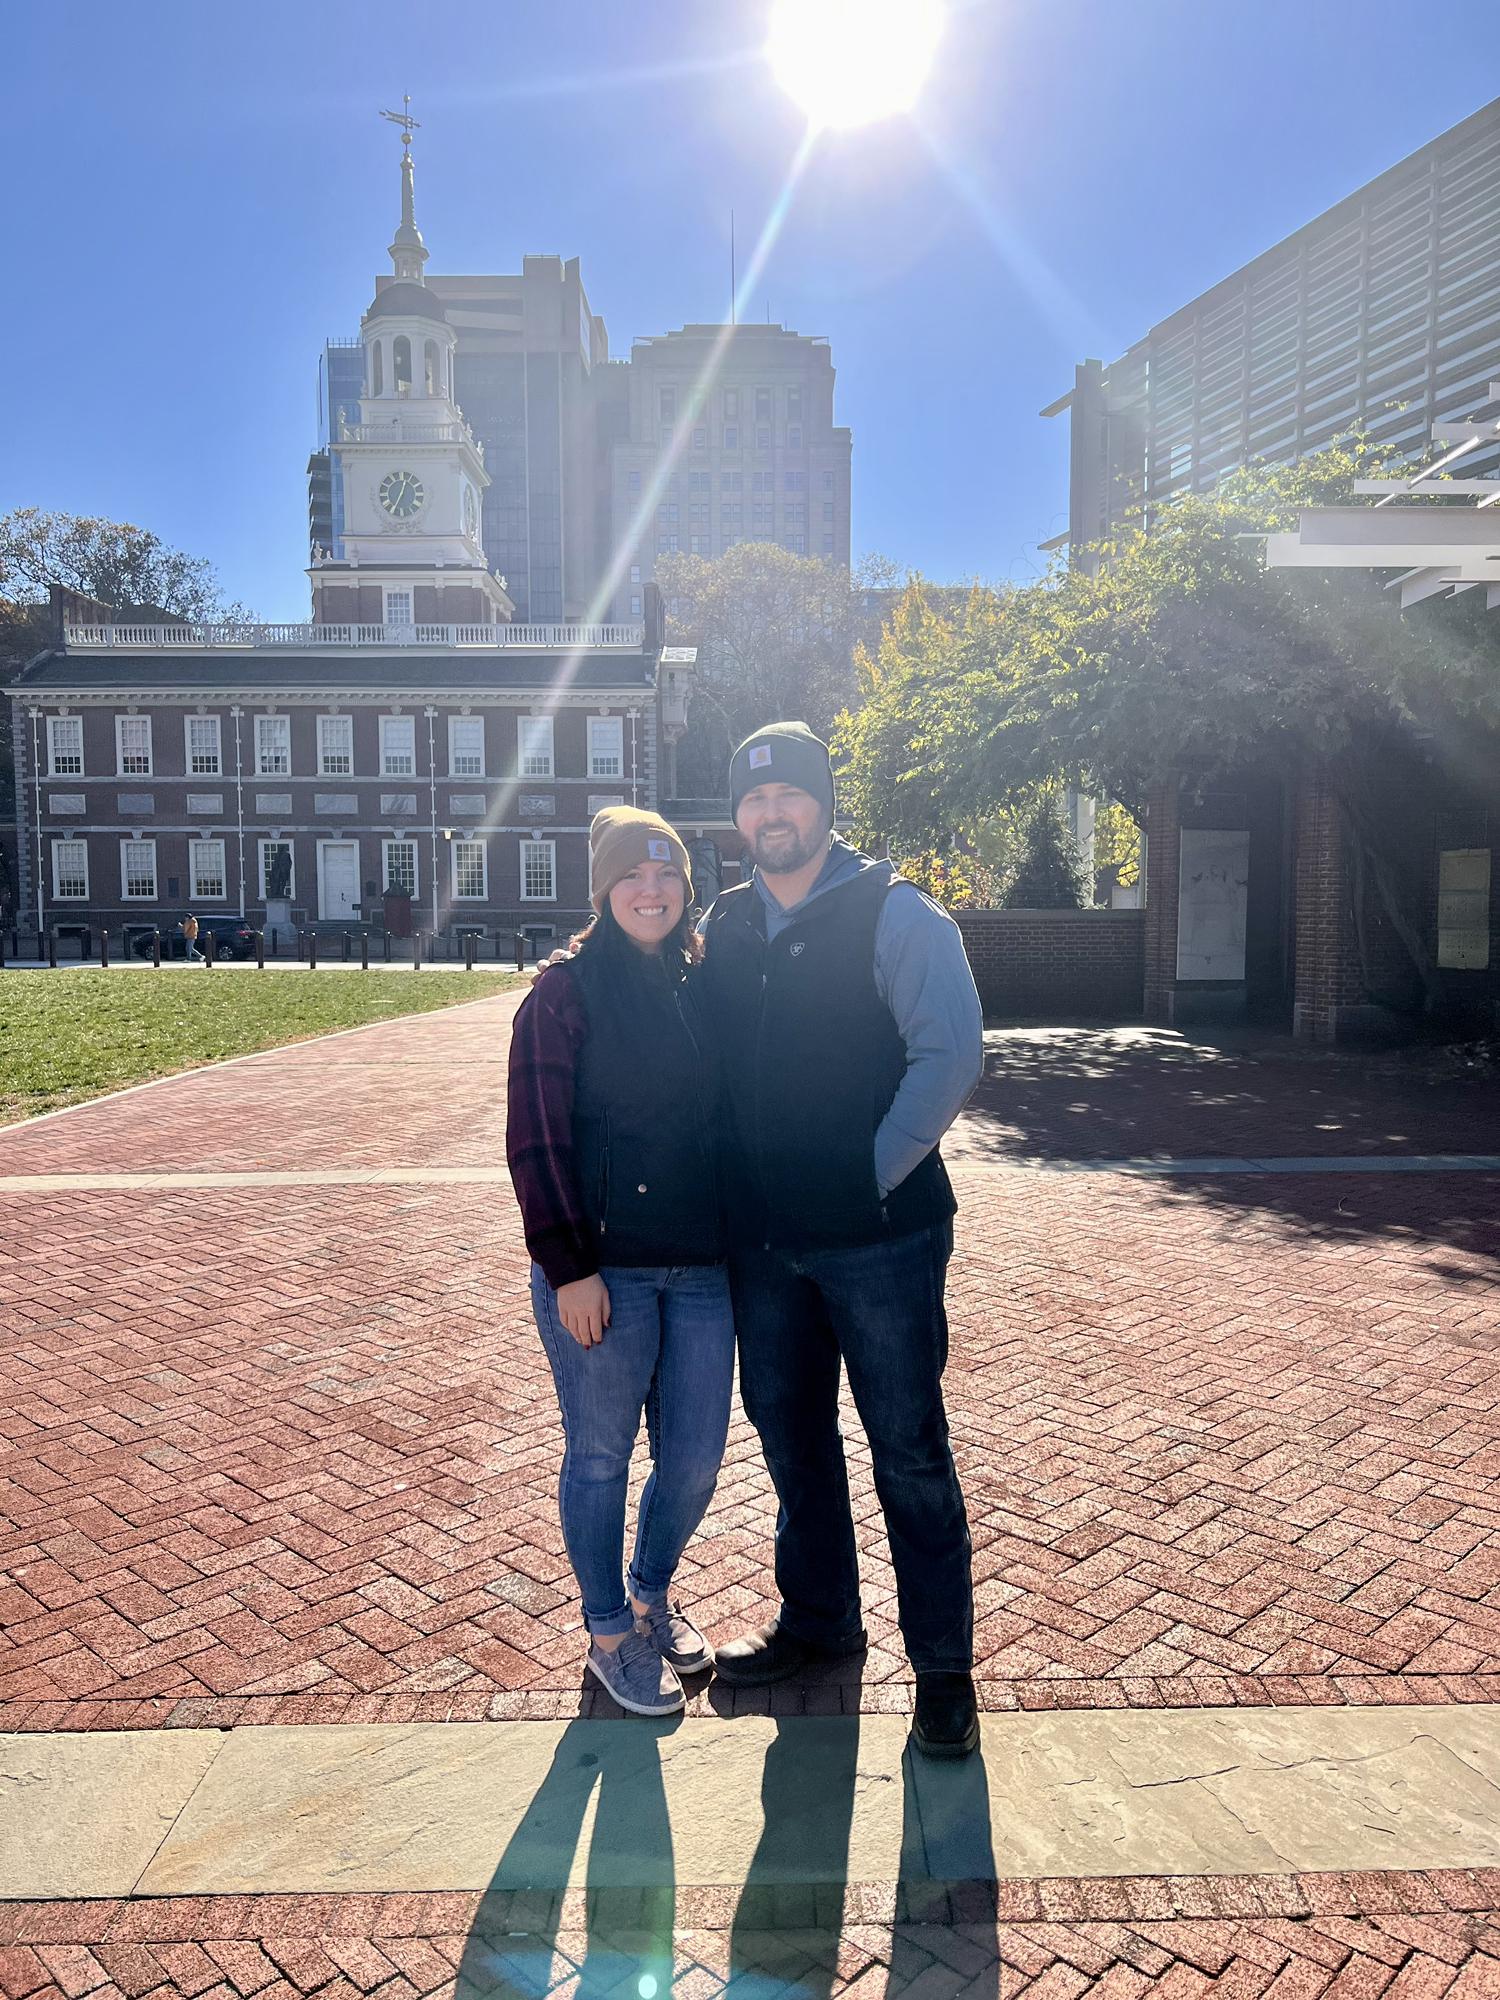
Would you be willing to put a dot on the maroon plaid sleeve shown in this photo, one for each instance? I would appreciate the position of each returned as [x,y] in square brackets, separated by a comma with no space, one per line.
[549,1031]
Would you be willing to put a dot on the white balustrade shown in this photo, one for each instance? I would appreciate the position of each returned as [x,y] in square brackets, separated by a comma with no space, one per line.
[542,637]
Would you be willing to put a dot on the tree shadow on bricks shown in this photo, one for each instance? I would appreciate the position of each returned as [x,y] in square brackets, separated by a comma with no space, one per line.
[1083,1095]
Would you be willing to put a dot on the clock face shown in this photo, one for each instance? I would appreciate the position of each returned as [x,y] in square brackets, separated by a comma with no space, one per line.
[402,495]
[471,512]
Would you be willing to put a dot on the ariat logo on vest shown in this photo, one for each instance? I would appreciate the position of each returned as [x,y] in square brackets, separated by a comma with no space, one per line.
[797,949]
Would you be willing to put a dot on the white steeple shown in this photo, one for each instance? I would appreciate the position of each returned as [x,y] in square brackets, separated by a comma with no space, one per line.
[412,471]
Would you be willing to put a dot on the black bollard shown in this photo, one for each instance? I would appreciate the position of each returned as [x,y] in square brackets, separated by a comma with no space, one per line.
[209,947]
[468,951]
[312,951]
[260,951]
[364,951]
[104,947]
[156,949]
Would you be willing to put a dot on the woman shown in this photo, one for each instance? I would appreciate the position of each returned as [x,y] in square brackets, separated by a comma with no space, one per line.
[610,1143]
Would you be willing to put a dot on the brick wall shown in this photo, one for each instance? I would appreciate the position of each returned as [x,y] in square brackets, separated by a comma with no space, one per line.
[1057,964]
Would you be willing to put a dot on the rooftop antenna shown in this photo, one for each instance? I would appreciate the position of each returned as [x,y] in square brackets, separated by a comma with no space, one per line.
[733,314]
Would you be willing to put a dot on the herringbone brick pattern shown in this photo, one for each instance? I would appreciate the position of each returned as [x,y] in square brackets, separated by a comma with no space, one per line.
[1408,1942]
[280,1455]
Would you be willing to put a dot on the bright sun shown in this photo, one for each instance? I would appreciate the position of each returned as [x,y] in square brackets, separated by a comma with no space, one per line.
[850,62]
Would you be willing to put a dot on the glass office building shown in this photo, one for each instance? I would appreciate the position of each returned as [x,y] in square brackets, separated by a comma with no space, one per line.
[1384,313]
[340,380]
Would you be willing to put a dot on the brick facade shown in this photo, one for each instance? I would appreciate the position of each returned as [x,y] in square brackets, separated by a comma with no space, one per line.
[347,758]
[1057,964]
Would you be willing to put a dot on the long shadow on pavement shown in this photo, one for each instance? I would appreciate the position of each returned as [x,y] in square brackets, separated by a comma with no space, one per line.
[791,1911]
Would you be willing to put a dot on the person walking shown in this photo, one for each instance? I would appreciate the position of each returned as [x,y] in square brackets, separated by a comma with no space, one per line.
[190,936]
[610,1140]
[851,1035]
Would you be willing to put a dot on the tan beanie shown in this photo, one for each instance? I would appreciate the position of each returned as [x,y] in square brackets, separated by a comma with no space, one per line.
[621,838]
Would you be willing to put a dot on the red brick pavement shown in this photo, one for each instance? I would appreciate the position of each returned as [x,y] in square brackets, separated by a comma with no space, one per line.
[278,1454]
[1408,1937]
[290,1454]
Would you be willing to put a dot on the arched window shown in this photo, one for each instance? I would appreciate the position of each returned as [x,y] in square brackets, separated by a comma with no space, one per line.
[434,370]
[401,364]
[377,369]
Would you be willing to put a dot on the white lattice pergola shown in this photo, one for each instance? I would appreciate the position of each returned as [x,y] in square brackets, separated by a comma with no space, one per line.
[1437,549]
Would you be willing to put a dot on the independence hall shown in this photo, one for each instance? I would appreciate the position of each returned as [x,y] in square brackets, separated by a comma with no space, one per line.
[412,749]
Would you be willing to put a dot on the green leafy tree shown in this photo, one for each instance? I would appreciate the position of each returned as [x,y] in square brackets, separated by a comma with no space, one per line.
[121,565]
[775,634]
[1178,651]
[1050,876]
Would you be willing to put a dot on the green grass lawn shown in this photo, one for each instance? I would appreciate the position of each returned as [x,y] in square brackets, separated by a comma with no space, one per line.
[65,1036]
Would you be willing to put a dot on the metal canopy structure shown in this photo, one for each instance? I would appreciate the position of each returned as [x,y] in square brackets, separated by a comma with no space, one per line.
[1437,549]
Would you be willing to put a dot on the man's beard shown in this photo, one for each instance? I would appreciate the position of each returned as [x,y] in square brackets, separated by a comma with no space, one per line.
[786,856]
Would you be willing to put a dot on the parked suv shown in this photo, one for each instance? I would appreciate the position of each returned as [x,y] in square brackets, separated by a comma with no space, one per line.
[232,936]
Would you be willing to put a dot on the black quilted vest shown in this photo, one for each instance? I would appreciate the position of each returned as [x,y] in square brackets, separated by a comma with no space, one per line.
[644,1112]
[811,1060]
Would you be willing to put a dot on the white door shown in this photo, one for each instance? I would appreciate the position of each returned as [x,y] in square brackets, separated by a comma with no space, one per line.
[338,878]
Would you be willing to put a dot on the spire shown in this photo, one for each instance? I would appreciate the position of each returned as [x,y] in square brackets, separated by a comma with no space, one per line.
[408,252]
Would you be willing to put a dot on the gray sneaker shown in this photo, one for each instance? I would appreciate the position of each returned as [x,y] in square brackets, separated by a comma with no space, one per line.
[677,1639]
[636,1675]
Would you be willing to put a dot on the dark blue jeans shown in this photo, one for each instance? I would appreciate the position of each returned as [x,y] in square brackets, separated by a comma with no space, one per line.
[880,1310]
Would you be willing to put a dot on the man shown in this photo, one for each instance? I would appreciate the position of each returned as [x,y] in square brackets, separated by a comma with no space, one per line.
[852,1036]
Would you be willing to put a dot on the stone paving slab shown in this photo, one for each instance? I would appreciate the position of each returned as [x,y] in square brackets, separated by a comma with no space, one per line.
[621,1805]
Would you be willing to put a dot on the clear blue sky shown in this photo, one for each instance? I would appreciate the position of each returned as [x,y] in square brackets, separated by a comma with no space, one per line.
[197,195]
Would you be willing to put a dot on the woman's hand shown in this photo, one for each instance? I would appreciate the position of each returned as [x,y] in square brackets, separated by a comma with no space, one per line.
[583,1308]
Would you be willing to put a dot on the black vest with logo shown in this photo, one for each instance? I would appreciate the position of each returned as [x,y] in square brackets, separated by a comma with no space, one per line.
[811,1060]
[645,1112]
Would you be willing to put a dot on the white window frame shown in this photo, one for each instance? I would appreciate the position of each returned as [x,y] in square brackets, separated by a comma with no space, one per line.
[549,848]
[406,598]
[404,765]
[268,840]
[400,840]
[532,762]
[266,725]
[481,895]
[60,895]
[608,762]
[457,726]
[212,723]
[198,893]
[143,721]
[56,767]
[328,766]
[127,894]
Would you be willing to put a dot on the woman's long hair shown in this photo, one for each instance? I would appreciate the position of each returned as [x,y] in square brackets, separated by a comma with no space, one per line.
[680,948]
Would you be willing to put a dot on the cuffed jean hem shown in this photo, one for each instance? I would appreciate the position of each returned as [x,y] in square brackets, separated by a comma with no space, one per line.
[647,1593]
[614,1624]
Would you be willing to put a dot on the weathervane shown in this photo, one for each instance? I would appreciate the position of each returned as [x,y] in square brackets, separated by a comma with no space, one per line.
[404,119]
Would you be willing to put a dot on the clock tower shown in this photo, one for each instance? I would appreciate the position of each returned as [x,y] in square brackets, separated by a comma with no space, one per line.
[411,469]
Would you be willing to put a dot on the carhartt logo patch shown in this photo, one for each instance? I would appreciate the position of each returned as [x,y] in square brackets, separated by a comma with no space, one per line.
[658,850]
[798,949]
[760,757]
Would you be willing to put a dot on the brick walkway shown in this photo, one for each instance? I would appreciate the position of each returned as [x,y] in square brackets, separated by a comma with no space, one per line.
[275,1454]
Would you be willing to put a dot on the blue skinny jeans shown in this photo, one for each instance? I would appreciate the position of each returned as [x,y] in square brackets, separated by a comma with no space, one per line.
[668,1350]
